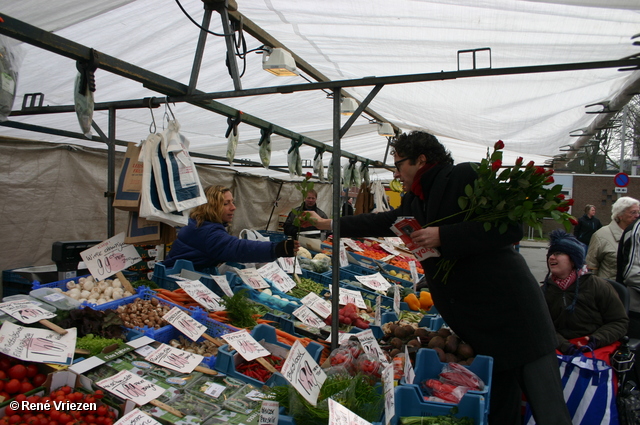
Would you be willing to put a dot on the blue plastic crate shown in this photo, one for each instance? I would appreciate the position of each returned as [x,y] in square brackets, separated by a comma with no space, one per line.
[271,302]
[273,236]
[428,366]
[286,324]
[62,284]
[214,329]
[409,401]
[161,276]
[227,357]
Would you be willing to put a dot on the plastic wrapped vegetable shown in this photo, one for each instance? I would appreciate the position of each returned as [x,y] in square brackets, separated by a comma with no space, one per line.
[364,173]
[83,100]
[10,60]
[265,147]
[318,167]
[293,159]
[232,136]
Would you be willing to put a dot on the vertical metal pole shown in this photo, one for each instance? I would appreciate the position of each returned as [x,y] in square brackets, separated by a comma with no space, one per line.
[335,256]
[111,174]
[197,60]
[231,57]
[624,137]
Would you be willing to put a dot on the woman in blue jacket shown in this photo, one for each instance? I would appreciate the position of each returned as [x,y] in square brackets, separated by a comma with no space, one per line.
[206,242]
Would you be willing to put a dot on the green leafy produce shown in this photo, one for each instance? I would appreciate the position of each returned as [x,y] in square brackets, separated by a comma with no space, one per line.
[104,323]
[95,344]
[144,282]
[240,309]
[354,392]
[436,420]
[306,286]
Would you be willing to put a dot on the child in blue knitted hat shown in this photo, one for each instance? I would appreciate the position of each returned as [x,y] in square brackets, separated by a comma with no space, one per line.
[585,309]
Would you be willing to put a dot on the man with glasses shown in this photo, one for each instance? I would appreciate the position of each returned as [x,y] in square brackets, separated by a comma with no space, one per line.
[490,299]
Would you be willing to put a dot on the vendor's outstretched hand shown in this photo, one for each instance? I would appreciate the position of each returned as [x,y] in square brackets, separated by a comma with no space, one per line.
[311,218]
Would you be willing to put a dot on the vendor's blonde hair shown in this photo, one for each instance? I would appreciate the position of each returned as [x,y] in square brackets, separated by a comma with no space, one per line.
[212,210]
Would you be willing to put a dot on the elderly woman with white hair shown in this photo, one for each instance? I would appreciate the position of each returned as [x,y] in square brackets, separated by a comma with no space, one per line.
[603,248]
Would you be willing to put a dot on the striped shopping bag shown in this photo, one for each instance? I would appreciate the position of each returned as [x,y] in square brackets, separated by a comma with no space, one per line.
[588,391]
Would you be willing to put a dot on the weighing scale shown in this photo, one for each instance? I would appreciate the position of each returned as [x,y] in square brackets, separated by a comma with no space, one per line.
[66,255]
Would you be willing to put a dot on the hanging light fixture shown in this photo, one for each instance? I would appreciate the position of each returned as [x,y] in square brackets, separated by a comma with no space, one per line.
[385,129]
[279,62]
[348,106]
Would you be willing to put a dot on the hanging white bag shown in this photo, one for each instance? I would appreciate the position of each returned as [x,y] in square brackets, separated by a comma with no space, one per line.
[252,235]
[184,183]
[264,147]
[318,167]
[150,205]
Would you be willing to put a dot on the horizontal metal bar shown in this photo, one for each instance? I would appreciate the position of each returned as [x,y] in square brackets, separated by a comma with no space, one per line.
[30,34]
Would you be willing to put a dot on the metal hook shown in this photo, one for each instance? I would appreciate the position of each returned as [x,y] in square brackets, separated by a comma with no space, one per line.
[167,106]
[152,127]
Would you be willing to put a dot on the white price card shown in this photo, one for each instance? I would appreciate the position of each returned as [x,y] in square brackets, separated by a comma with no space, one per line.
[286,263]
[340,415]
[308,317]
[396,299]
[346,296]
[342,337]
[301,371]
[389,392]
[344,261]
[376,281]
[37,345]
[185,323]
[132,387]
[136,417]
[351,244]
[269,411]
[370,344]
[414,274]
[201,294]
[389,248]
[378,311]
[317,304]
[252,278]
[110,257]
[174,359]
[26,311]
[280,279]
[223,283]
[246,345]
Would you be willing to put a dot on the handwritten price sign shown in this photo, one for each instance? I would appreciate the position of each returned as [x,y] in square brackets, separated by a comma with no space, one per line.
[374,281]
[131,387]
[175,359]
[246,345]
[110,257]
[201,294]
[185,323]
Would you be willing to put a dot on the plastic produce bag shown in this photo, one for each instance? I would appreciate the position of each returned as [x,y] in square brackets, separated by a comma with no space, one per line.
[293,159]
[318,167]
[232,136]
[83,101]
[184,183]
[265,147]
[150,204]
[330,170]
[10,60]
[348,173]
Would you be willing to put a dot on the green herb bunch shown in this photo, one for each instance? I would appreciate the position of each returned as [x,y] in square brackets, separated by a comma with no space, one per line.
[240,309]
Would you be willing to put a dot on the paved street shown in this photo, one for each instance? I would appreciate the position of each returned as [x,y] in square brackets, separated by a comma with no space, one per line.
[535,253]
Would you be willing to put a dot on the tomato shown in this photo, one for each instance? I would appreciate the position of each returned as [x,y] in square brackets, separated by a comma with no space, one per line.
[98,394]
[18,371]
[66,389]
[13,386]
[39,379]
[32,370]
[102,411]
[25,387]
[64,418]
[54,414]
[3,374]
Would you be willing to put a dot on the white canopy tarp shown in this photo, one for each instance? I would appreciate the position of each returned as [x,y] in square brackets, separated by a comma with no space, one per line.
[534,114]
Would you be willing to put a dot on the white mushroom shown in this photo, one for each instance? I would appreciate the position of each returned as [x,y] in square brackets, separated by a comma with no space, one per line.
[85,294]
[71,284]
[88,285]
[116,283]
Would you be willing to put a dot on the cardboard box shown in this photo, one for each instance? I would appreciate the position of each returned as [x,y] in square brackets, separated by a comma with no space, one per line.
[130,181]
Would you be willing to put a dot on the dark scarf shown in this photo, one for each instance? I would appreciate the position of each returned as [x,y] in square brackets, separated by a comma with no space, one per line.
[416,186]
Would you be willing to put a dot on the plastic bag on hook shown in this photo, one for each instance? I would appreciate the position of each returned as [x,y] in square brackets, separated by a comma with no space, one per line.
[184,183]
[330,170]
[364,173]
[318,167]
[265,148]
[232,144]
[10,60]
[83,100]
[294,162]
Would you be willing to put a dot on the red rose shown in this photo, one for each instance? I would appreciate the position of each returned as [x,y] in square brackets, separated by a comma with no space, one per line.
[499,145]
[570,201]
[530,164]
[560,196]
[519,161]
[539,171]
[549,171]
[495,165]
[549,180]
[573,221]
[308,175]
